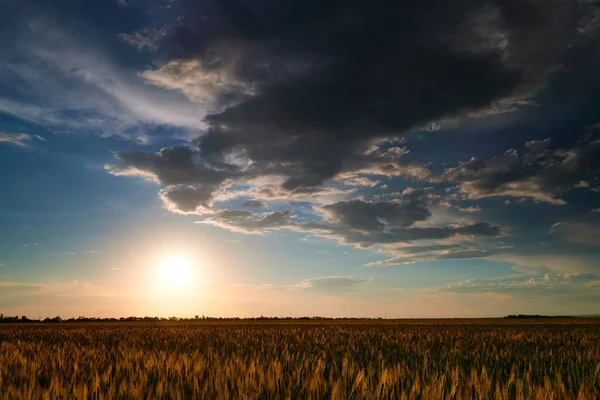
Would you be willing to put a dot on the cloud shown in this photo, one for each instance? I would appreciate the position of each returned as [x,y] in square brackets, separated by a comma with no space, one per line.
[305,104]
[296,115]
[79,86]
[333,283]
[471,209]
[371,223]
[287,96]
[595,210]
[367,224]
[360,223]
[188,199]
[535,172]
[146,38]
[18,139]
[329,284]
[169,166]
[554,259]
[529,286]
[69,289]
[417,254]
[200,83]
[272,192]
[535,146]
[590,23]
[33,113]
[375,216]
[582,232]
[254,204]
[179,166]
[399,236]
[10,285]
[360,181]
[246,222]
[427,249]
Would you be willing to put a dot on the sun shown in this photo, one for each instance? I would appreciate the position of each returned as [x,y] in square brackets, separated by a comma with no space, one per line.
[175,271]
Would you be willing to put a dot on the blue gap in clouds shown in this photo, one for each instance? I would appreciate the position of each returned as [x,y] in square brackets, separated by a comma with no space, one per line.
[58,191]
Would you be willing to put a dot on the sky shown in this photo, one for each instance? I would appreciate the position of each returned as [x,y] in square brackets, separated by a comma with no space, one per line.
[299,158]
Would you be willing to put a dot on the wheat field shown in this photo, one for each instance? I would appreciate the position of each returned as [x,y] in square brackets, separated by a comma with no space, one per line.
[309,360]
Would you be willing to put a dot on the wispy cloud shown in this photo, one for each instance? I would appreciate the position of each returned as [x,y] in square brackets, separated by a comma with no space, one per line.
[72,288]
[18,139]
[457,254]
[78,87]
[328,284]
[529,286]
[147,38]
[585,233]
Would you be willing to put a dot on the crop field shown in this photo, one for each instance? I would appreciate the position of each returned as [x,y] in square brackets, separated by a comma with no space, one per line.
[480,359]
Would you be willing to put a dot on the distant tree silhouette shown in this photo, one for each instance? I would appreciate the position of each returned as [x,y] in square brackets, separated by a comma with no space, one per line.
[517,316]
[197,318]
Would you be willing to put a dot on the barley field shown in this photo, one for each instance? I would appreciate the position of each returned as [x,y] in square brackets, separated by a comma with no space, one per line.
[495,359]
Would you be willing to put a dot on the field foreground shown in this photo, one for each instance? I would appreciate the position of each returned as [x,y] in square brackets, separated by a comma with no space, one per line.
[463,359]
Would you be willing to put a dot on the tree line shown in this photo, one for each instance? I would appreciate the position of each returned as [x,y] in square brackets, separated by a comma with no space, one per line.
[13,319]
[7,319]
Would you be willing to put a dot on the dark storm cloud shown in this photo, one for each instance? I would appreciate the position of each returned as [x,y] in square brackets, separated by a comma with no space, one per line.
[305,93]
[314,81]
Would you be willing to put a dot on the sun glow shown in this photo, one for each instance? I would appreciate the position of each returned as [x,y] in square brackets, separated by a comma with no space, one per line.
[178,281]
[175,272]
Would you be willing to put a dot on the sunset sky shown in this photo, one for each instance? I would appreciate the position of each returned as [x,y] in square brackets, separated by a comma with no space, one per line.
[290,158]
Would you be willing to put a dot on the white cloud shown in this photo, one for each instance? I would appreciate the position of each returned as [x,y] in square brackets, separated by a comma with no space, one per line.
[470,209]
[274,192]
[18,139]
[192,78]
[358,181]
[333,283]
[246,222]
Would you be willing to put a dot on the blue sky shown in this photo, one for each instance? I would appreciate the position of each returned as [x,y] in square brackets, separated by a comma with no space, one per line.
[240,159]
